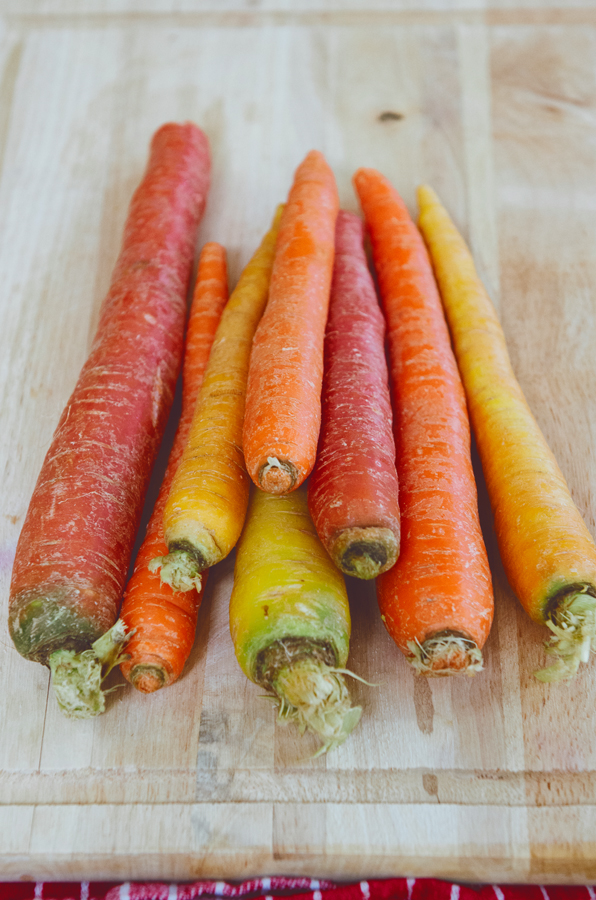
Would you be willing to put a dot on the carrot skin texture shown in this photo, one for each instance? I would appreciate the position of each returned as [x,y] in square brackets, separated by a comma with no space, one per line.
[546,547]
[205,510]
[441,581]
[283,400]
[163,621]
[354,483]
[77,537]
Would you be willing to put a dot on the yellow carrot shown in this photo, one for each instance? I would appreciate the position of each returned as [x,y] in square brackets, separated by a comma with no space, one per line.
[289,616]
[547,551]
[205,510]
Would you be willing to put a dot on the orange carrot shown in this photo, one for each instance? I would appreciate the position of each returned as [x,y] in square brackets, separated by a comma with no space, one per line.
[436,601]
[163,621]
[548,553]
[283,398]
[76,541]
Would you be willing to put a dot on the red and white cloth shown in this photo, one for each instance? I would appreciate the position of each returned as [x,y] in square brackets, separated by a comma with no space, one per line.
[294,888]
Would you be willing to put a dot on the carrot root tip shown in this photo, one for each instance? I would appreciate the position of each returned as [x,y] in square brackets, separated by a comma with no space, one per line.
[315,696]
[77,677]
[180,569]
[278,476]
[445,654]
[573,624]
[365,552]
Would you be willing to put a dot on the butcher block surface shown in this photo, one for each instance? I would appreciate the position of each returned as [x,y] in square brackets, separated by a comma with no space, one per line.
[494,104]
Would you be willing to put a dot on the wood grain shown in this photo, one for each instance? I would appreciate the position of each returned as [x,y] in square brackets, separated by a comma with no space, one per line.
[492,778]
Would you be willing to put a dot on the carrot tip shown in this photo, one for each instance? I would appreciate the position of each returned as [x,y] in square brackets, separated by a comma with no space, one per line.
[365,552]
[148,678]
[77,677]
[573,624]
[446,654]
[278,476]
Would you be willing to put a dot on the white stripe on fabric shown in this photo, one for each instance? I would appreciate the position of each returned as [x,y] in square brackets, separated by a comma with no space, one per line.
[315,885]
[544,893]
[38,889]
[591,892]
[365,889]
[498,892]
[265,884]
[317,895]
[84,890]
[173,892]
[125,891]
[455,892]
[219,888]
[410,883]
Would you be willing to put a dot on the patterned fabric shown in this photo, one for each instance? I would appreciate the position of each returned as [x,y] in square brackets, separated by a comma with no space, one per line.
[296,888]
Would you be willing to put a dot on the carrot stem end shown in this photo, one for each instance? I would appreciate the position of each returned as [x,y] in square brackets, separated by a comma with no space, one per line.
[278,476]
[445,654]
[77,677]
[315,696]
[179,569]
[365,552]
[573,626]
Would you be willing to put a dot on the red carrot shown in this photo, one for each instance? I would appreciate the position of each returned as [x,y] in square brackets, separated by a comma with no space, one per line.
[74,548]
[437,601]
[163,621]
[353,491]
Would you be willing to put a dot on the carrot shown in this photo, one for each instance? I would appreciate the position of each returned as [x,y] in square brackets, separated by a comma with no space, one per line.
[437,601]
[548,553]
[74,548]
[289,617]
[162,621]
[353,491]
[283,399]
[206,506]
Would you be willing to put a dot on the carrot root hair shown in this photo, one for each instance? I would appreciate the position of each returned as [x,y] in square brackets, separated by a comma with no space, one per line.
[315,696]
[77,677]
[148,677]
[365,552]
[573,624]
[445,654]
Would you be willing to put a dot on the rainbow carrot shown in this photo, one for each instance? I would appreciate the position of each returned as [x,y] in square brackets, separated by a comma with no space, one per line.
[548,553]
[437,601]
[74,548]
[162,621]
[290,619]
[353,490]
[283,398]
[205,509]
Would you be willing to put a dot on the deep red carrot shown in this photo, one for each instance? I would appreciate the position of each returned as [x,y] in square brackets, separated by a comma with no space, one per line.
[163,621]
[74,548]
[437,601]
[353,490]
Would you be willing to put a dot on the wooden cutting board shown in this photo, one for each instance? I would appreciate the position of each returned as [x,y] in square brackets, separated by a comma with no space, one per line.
[491,778]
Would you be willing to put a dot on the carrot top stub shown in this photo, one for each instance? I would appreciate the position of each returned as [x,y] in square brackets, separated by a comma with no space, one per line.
[283,401]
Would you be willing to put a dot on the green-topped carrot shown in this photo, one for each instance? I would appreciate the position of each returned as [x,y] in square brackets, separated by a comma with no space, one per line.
[547,551]
[74,549]
[289,616]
